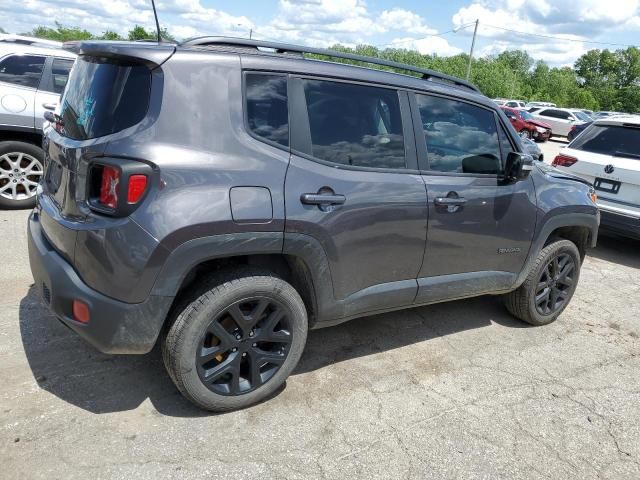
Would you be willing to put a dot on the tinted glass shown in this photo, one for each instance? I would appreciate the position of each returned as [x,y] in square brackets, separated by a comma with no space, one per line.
[355,124]
[549,113]
[526,116]
[460,137]
[267,107]
[103,98]
[610,140]
[60,73]
[24,70]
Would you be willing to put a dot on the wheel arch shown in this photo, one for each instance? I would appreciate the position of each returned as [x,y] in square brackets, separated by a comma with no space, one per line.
[31,136]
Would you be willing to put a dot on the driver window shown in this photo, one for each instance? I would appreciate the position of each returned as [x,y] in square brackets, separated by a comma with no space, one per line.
[460,137]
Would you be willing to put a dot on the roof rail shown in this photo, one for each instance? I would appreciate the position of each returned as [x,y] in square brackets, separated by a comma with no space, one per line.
[429,75]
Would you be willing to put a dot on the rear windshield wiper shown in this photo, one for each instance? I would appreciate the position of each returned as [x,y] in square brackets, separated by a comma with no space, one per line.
[626,154]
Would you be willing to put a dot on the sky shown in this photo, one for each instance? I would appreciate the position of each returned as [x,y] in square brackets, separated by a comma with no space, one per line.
[429,26]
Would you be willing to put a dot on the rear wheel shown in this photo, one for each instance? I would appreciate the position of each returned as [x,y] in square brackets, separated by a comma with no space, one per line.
[21,168]
[236,340]
[549,286]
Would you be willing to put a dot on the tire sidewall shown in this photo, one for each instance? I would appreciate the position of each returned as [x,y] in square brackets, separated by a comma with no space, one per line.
[555,249]
[30,149]
[191,336]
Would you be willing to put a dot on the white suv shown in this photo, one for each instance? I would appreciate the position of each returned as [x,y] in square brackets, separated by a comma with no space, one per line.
[561,119]
[33,74]
[607,154]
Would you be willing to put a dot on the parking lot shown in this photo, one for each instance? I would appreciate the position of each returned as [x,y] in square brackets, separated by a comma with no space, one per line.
[456,390]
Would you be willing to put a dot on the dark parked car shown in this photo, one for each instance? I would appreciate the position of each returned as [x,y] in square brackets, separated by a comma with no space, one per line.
[527,126]
[577,130]
[225,196]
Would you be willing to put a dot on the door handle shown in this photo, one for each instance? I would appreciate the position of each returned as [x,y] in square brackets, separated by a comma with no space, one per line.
[49,106]
[322,199]
[449,201]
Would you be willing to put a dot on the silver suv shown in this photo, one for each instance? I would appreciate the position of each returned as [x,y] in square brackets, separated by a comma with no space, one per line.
[33,74]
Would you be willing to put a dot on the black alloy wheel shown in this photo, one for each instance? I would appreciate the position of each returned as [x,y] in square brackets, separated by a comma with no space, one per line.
[244,346]
[554,285]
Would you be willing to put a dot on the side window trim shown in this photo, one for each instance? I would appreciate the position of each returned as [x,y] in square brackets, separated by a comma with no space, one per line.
[46,80]
[300,129]
[245,110]
[421,145]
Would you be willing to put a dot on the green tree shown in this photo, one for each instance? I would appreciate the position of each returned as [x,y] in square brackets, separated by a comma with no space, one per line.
[110,35]
[61,33]
[139,33]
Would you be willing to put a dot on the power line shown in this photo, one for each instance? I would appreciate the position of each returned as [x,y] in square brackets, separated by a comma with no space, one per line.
[437,34]
[556,37]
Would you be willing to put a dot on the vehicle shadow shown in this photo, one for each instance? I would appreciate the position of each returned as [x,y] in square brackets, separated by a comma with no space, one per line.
[67,367]
[616,249]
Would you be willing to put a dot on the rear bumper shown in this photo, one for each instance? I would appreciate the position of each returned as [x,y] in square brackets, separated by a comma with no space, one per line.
[626,225]
[115,326]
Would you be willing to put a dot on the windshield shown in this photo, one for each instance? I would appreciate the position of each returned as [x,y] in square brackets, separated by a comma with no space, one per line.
[526,116]
[582,116]
[618,141]
[104,97]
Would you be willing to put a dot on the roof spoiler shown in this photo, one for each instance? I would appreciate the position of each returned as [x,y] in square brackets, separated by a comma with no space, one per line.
[152,54]
[285,48]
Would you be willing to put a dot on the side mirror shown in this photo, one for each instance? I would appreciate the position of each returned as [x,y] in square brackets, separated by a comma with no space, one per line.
[518,166]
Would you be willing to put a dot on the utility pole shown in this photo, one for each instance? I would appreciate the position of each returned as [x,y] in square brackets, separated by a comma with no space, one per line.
[473,44]
[250,33]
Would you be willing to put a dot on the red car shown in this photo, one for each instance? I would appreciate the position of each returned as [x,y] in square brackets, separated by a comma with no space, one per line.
[527,126]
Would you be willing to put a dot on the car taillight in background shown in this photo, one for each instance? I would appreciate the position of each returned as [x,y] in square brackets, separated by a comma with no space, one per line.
[564,161]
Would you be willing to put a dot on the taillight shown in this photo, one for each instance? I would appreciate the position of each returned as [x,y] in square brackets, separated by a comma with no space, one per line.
[81,312]
[137,186]
[117,186]
[564,161]
[109,187]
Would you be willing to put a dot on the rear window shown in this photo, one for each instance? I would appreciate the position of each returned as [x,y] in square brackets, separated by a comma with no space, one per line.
[104,97]
[619,141]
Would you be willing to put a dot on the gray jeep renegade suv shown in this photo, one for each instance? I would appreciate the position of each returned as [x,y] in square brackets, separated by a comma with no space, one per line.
[225,196]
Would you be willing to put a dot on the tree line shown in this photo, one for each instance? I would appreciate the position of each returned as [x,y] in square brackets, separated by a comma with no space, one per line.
[599,79]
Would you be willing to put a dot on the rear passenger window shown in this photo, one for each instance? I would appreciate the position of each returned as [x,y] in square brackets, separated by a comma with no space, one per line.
[267,113]
[355,124]
[461,137]
[24,70]
[60,73]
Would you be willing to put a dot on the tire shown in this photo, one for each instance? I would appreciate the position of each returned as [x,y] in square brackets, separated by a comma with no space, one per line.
[225,313]
[525,134]
[530,302]
[21,168]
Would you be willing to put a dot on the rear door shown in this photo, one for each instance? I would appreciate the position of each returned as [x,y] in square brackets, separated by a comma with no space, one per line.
[54,79]
[560,121]
[20,76]
[480,226]
[354,187]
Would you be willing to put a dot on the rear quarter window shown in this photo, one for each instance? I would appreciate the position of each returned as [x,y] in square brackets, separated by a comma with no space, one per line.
[266,104]
[104,97]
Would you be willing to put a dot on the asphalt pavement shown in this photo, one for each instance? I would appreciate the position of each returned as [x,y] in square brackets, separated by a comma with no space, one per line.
[456,390]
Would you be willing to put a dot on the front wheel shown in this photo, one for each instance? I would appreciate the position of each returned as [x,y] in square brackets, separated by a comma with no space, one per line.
[525,134]
[236,340]
[549,286]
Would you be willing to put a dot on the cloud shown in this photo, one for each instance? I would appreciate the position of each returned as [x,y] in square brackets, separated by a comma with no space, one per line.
[404,20]
[427,46]
[569,21]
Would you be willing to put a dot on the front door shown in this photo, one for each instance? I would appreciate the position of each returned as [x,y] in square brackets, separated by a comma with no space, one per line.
[351,187]
[480,227]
